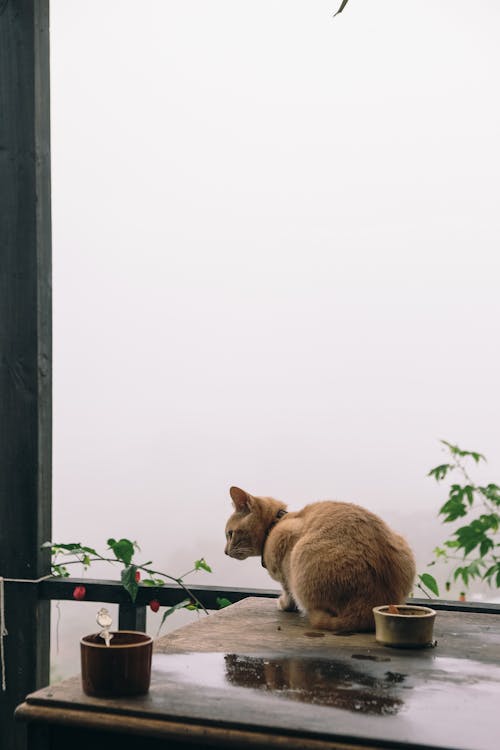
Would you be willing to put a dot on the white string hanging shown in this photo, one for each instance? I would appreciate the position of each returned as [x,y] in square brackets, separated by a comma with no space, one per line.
[3,633]
[3,629]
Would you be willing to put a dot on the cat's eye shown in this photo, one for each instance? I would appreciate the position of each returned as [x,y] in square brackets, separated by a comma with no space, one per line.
[229,534]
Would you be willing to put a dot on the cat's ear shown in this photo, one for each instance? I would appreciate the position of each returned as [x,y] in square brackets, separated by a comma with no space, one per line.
[242,501]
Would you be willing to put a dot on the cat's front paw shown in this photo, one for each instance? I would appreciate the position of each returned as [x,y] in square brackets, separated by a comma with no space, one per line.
[286,603]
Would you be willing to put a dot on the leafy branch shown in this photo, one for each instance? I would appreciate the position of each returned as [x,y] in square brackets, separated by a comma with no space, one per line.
[480,504]
[122,552]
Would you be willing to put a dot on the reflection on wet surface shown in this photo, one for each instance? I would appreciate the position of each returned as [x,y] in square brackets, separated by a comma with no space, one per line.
[320,681]
[441,701]
[370,657]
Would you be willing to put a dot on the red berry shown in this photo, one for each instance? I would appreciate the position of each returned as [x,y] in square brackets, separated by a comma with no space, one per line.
[154,604]
[79,592]
[137,576]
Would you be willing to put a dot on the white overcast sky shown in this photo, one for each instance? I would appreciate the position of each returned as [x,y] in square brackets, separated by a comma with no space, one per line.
[276,262]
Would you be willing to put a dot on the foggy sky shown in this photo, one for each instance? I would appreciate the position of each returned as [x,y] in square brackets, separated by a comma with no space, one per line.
[275,263]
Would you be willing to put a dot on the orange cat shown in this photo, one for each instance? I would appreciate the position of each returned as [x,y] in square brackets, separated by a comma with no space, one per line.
[334,561]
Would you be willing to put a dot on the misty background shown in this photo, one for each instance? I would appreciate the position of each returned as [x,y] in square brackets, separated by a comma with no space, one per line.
[275,265]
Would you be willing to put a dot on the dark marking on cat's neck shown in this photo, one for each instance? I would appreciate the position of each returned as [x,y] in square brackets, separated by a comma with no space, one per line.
[282,512]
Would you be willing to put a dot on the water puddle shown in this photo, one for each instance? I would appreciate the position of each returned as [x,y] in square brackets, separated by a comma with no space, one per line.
[319,681]
[444,702]
[306,679]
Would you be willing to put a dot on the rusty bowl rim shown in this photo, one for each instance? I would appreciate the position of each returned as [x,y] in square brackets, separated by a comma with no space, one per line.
[428,611]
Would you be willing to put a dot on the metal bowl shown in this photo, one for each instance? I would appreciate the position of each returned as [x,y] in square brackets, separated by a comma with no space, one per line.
[408,627]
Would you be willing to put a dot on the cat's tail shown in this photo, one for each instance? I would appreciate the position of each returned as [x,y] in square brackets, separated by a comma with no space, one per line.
[356,620]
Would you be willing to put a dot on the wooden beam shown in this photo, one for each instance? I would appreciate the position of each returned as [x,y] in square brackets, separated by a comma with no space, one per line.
[168,595]
[25,346]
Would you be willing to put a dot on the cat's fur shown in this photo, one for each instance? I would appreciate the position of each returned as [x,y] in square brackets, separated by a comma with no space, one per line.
[335,561]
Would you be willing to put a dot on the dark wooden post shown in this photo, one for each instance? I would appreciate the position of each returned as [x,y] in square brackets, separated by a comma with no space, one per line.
[25,348]
[131,617]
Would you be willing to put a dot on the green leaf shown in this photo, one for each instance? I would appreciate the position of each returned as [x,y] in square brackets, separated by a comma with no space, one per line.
[469,493]
[429,582]
[72,547]
[156,582]
[477,456]
[454,507]
[222,602]
[90,551]
[202,565]
[490,521]
[457,572]
[128,581]
[60,571]
[123,549]
[485,547]
[492,570]
[469,572]
[474,568]
[463,573]
[342,6]
[439,472]
[470,546]
[478,534]
[492,493]
[438,552]
[171,610]
[454,449]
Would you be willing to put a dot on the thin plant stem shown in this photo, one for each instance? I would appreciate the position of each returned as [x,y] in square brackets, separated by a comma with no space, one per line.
[178,581]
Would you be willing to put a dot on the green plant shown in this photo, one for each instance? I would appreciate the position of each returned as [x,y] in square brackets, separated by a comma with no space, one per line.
[472,548]
[122,552]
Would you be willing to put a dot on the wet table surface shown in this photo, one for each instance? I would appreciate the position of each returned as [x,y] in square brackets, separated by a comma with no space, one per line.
[251,676]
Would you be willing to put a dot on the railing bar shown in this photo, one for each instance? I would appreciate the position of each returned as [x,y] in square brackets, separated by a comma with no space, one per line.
[113,592]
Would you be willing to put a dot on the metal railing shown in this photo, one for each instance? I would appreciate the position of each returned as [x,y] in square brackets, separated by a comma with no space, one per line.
[113,592]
